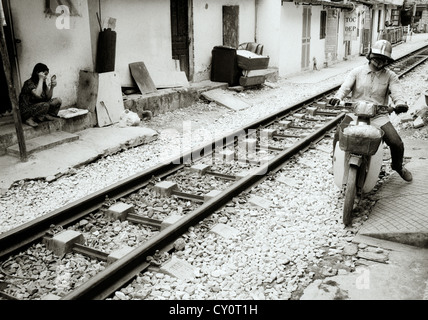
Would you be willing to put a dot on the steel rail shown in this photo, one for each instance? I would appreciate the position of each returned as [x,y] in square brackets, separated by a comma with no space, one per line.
[23,236]
[102,285]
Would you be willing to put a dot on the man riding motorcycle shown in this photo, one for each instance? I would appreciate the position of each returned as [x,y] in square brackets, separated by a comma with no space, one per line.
[374,83]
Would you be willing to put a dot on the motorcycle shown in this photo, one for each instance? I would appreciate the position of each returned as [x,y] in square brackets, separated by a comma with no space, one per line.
[358,154]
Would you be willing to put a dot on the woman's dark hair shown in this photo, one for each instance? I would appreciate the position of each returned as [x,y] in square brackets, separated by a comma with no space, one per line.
[40,67]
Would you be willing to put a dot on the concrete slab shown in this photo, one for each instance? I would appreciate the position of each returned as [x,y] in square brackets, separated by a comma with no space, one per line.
[224,231]
[44,142]
[260,202]
[179,269]
[226,99]
[92,144]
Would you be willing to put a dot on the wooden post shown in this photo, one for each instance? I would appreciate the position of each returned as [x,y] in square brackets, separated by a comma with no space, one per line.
[12,94]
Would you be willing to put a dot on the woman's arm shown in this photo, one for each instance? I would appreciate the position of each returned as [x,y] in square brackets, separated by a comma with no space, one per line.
[49,93]
[38,92]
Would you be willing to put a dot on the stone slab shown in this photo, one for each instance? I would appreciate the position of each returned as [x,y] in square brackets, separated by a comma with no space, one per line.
[224,231]
[211,194]
[63,242]
[119,211]
[165,188]
[44,142]
[169,221]
[260,202]
[225,99]
[179,269]
[200,168]
[142,77]
[291,182]
[118,254]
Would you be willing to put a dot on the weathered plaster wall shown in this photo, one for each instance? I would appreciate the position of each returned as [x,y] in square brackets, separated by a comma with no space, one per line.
[268,32]
[143,34]
[290,39]
[65,51]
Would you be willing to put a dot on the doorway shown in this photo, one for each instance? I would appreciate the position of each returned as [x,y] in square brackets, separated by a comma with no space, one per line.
[231,26]
[366,35]
[5,105]
[180,34]
[306,37]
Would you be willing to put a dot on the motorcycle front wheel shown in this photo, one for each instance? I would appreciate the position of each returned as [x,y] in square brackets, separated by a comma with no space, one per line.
[350,193]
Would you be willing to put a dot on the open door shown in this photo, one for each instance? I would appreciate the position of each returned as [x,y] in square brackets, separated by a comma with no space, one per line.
[180,34]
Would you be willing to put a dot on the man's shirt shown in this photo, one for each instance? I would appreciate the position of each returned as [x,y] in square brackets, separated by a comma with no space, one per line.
[371,86]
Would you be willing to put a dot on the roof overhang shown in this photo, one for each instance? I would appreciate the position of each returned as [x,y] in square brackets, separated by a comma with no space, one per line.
[366,2]
[325,3]
[391,2]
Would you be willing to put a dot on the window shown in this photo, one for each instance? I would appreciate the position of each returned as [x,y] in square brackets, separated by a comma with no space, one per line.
[358,24]
[379,16]
[323,24]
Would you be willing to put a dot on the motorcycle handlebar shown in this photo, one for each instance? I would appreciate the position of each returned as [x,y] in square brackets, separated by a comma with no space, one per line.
[380,109]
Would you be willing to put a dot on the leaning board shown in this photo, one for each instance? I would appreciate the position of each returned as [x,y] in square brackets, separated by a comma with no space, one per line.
[142,77]
[101,94]
[110,104]
[225,99]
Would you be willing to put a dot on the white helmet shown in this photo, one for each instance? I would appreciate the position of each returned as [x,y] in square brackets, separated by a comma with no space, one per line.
[382,48]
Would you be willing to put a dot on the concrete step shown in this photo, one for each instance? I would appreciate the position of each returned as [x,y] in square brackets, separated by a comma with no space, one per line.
[44,142]
[5,120]
[8,137]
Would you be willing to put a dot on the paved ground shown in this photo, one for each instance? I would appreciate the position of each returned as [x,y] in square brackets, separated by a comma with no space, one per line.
[403,277]
[92,144]
[399,226]
[401,212]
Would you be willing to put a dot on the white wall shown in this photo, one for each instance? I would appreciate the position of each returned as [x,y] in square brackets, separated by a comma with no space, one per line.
[290,39]
[317,44]
[268,29]
[65,51]
[341,37]
[208,30]
[143,33]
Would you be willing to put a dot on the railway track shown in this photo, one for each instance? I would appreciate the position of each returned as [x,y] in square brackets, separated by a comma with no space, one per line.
[261,147]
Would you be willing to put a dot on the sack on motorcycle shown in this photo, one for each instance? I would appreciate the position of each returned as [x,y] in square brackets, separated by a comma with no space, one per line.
[365,109]
[363,140]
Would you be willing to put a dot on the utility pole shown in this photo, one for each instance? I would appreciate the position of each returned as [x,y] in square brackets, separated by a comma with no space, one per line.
[12,94]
